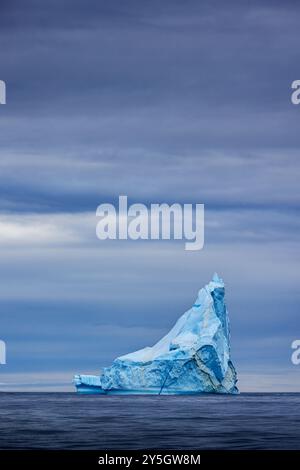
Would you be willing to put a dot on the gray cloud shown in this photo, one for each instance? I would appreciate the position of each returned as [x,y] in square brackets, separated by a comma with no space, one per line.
[164,102]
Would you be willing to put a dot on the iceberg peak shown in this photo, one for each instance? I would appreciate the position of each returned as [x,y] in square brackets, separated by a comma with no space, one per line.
[217,279]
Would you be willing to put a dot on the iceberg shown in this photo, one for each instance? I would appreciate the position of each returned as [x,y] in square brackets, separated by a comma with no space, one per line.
[193,358]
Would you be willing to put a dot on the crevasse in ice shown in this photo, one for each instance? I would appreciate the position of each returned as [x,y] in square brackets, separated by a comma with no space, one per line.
[194,357]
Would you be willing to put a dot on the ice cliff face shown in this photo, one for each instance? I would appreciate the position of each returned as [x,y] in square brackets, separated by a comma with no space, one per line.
[194,357]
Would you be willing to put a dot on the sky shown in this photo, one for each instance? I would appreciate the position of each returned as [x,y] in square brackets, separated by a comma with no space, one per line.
[172,101]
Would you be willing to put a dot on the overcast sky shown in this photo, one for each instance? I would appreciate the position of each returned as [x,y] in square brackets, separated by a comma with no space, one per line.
[164,102]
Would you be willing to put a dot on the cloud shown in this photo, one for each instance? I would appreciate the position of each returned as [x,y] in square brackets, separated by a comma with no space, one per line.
[165,103]
[149,92]
[266,382]
[38,381]
[20,230]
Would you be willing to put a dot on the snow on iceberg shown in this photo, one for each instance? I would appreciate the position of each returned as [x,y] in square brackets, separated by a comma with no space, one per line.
[193,358]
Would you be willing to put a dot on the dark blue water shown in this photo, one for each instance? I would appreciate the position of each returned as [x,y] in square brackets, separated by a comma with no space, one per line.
[70,421]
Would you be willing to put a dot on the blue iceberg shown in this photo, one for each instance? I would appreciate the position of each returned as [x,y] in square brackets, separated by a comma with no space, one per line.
[193,358]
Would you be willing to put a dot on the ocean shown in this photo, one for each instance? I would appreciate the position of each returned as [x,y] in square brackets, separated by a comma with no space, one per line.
[70,421]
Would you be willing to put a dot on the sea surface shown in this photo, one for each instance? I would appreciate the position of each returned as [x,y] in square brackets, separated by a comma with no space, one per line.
[70,421]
